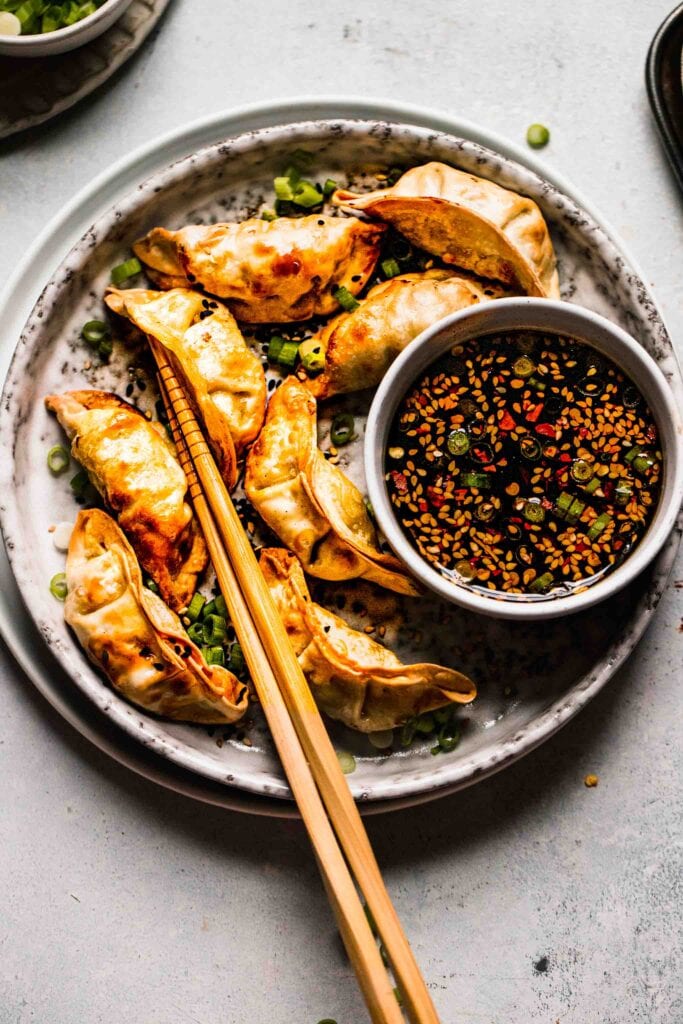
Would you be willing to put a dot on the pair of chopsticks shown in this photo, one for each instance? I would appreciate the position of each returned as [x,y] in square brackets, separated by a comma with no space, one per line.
[308,758]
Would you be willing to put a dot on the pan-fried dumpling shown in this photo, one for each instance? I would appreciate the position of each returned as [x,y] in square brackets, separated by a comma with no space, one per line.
[468,221]
[134,638]
[352,677]
[224,377]
[361,345]
[313,508]
[131,463]
[268,271]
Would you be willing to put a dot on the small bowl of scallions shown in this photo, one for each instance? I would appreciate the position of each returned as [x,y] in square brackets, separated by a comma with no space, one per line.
[38,28]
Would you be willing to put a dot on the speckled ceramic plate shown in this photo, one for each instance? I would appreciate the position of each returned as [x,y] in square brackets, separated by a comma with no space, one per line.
[531,679]
[33,90]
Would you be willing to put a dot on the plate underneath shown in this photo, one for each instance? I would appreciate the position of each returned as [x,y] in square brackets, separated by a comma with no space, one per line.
[55,241]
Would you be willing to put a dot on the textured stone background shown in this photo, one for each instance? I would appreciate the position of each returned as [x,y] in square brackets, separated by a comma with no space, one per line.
[528,898]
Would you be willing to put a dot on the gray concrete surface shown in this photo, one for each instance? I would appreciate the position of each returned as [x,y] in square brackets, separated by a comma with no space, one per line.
[529,898]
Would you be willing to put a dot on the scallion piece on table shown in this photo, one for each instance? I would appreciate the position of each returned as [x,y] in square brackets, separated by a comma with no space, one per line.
[215,629]
[347,762]
[345,299]
[274,348]
[58,587]
[391,267]
[125,270]
[105,348]
[79,483]
[307,195]
[312,355]
[58,460]
[221,606]
[268,214]
[289,353]
[237,662]
[537,136]
[329,187]
[448,738]
[342,429]
[149,584]
[283,188]
[408,731]
[194,608]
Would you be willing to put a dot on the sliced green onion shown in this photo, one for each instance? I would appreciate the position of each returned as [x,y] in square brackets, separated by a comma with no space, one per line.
[196,633]
[58,587]
[630,456]
[523,367]
[537,136]
[214,656]
[643,462]
[593,485]
[329,187]
[391,267]
[283,188]
[458,442]
[530,448]
[581,471]
[58,460]
[347,762]
[537,383]
[485,512]
[425,723]
[312,355]
[289,353]
[307,195]
[563,504]
[215,629]
[274,348]
[600,524]
[465,569]
[623,494]
[210,608]
[125,270]
[194,608]
[237,662]
[448,738]
[341,431]
[408,731]
[149,584]
[221,606]
[575,510]
[543,583]
[105,348]
[480,480]
[534,512]
[293,175]
[268,214]
[382,739]
[345,299]
[94,331]
[302,158]
[79,483]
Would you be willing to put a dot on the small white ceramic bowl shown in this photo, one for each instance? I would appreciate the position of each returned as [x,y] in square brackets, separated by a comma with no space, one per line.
[63,39]
[503,315]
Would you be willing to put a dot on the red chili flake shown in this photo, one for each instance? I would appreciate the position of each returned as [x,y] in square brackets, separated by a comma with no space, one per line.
[534,413]
[436,499]
[547,503]
[506,421]
[460,493]
[422,505]
[651,433]
[422,400]
[423,429]
[545,429]
[583,431]
[400,482]
[608,489]
[617,545]
[565,457]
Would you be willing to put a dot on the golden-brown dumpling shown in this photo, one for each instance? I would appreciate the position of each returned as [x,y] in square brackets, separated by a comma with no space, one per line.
[361,345]
[131,463]
[267,271]
[134,638]
[313,508]
[352,677]
[468,221]
[224,377]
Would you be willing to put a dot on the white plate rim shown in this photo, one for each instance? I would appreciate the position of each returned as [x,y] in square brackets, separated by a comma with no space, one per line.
[152,156]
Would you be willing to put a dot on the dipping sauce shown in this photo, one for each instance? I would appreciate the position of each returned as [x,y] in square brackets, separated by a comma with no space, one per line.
[525,464]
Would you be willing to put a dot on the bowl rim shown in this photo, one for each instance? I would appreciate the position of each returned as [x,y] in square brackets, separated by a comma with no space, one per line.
[545,315]
[68,32]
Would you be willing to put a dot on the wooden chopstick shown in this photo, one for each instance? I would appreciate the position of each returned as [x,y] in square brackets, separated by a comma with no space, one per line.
[351,918]
[265,641]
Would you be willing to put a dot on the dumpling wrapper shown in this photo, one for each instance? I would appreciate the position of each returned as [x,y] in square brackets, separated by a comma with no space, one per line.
[268,271]
[134,638]
[132,464]
[225,379]
[360,346]
[309,503]
[353,678]
[468,221]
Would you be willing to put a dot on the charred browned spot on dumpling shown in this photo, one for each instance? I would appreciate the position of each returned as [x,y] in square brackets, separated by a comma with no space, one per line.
[352,677]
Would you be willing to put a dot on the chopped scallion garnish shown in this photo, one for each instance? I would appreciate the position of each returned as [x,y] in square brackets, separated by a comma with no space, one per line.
[390,267]
[58,587]
[125,270]
[194,608]
[345,299]
[342,429]
[347,762]
[289,353]
[58,460]
[79,483]
[312,355]
[94,332]
[215,629]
